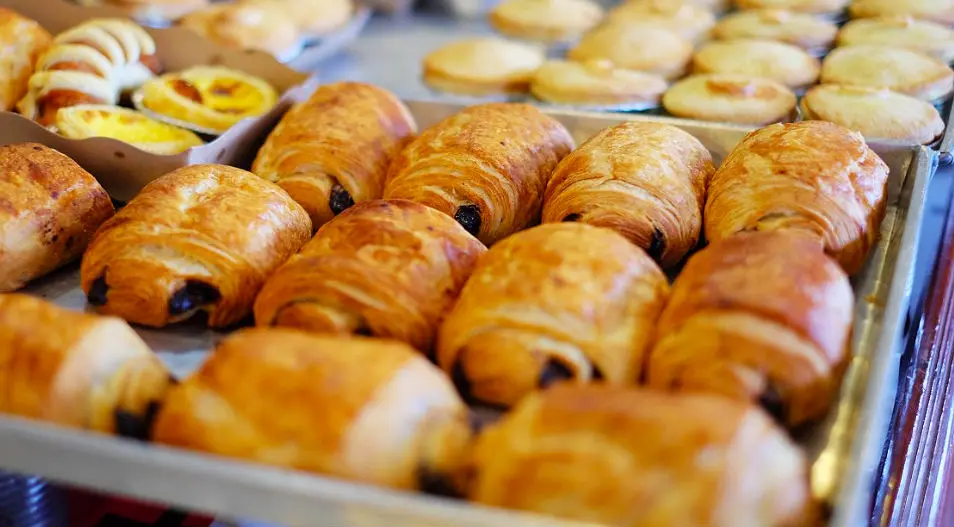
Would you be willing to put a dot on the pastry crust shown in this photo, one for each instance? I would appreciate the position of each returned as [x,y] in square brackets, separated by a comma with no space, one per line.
[145,133]
[23,41]
[77,370]
[940,11]
[204,237]
[812,7]
[923,36]
[646,181]
[560,301]
[315,18]
[880,115]
[483,66]
[49,209]
[334,149]
[897,69]
[486,166]
[691,21]
[739,99]
[812,176]
[389,269]
[636,47]
[808,32]
[759,316]
[368,410]
[633,457]
[545,20]
[778,61]
[246,25]
[596,82]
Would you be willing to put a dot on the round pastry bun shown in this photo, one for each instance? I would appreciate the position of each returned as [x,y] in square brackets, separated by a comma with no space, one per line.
[880,115]
[940,11]
[263,26]
[638,47]
[923,36]
[596,82]
[545,20]
[483,66]
[727,98]
[691,21]
[812,7]
[897,69]
[785,63]
[808,32]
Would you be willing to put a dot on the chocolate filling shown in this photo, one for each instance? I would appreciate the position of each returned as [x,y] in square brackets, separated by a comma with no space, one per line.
[773,403]
[340,200]
[435,483]
[363,331]
[553,371]
[136,426]
[192,296]
[97,292]
[657,245]
[459,378]
[469,218]
[572,217]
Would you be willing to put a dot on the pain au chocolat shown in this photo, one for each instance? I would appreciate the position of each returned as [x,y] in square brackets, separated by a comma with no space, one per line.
[200,238]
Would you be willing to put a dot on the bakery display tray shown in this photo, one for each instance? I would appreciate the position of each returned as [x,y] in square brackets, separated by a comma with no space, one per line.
[844,449]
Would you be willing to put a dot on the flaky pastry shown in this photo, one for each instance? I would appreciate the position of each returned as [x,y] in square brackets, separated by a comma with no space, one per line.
[545,20]
[23,41]
[923,36]
[691,21]
[596,82]
[940,11]
[778,61]
[482,66]
[894,68]
[808,32]
[637,47]
[723,97]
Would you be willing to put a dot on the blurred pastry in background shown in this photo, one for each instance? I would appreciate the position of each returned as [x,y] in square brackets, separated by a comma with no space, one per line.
[716,6]
[90,120]
[260,26]
[208,99]
[316,18]
[636,47]
[808,32]
[596,82]
[785,63]
[545,20]
[728,98]
[879,114]
[691,21]
[483,66]
[813,7]
[940,11]
[157,11]
[897,69]
[926,37]
[22,41]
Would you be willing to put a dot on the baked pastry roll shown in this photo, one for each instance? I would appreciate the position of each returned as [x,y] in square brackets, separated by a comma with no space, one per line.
[897,69]
[482,66]
[761,316]
[77,370]
[596,82]
[880,115]
[940,11]
[368,410]
[388,269]
[560,301]
[922,36]
[646,181]
[545,20]
[50,209]
[92,63]
[200,238]
[630,457]
[729,98]
[638,47]
[813,7]
[778,61]
[806,31]
[486,166]
[811,176]
[23,41]
[248,25]
[691,21]
[334,149]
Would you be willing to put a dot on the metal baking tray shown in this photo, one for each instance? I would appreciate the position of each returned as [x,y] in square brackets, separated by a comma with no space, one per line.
[845,448]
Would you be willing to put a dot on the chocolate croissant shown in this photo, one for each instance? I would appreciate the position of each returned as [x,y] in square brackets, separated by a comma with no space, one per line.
[630,457]
[49,209]
[388,269]
[761,316]
[77,370]
[369,410]
[200,238]
[555,302]
[487,167]
[813,176]
[333,150]
[646,181]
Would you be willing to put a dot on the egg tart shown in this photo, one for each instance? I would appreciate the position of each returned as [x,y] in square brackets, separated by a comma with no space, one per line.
[638,47]
[897,69]
[691,21]
[596,83]
[545,20]
[483,66]
[728,98]
[923,36]
[92,120]
[808,32]
[785,63]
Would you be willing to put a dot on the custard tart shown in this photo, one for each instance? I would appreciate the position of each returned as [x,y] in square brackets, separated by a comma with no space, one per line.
[143,132]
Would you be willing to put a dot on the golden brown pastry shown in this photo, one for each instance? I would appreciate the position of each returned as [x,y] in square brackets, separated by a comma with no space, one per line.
[769,59]
[200,238]
[23,41]
[808,32]
[811,176]
[145,133]
[49,209]
[389,269]
[596,82]
[248,25]
[940,11]
[560,301]
[334,149]
[923,36]
[728,98]
[629,457]
[813,7]
[545,20]
[317,18]
[487,167]
[482,66]
[760,316]
[92,63]
[77,370]
[368,410]
[879,114]
[894,68]
[646,181]
[638,47]
[691,21]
